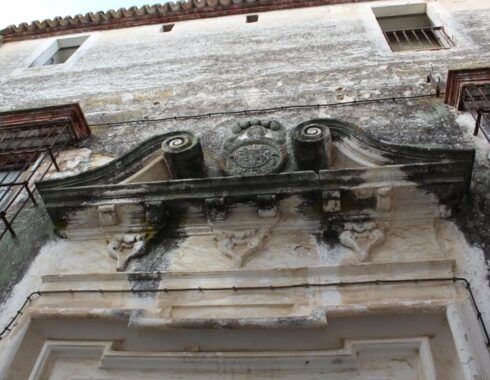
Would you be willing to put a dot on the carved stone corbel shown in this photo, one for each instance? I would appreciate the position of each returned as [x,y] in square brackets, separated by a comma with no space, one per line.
[155,213]
[445,212]
[384,199]
[124,247]
[331,201]
[240,245]
[216,209]
[361,238]
[267,206]
[107,215]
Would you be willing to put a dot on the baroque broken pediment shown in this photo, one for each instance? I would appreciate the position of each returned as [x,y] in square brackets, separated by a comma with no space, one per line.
[346,179]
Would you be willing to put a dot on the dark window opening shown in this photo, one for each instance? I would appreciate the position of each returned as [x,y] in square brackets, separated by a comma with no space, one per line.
[59,51]
[413,32]
[252,18]
[167,27]
[61,55]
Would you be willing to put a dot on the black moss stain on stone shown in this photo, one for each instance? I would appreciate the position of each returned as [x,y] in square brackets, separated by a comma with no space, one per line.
[473,215]
[121,314]
[61,217]
[470,207]
[451,194]
[330,237]
[425,122]
[473,219]
[144,281]
[158,247]
[350,202]
[155,259]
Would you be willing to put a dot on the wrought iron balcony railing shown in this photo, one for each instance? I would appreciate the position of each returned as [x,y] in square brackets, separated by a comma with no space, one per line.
[30,142]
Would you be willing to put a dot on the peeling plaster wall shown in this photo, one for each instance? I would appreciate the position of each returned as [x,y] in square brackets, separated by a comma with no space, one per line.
[304,56]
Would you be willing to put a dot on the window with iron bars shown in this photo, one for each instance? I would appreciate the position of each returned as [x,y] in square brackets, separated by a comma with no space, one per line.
[408,28]
[30,141]
[430,38]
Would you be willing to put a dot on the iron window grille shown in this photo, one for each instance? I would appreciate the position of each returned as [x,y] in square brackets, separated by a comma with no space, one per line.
[430,38]
[30,142]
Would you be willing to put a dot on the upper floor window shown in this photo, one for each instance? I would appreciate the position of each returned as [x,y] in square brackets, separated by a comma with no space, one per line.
[167,28]
[59,51]
[252,18]
[408,27]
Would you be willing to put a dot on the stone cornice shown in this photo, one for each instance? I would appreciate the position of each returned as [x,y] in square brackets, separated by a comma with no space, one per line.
[427,174]
[152,14]
[251,277]
[75,201]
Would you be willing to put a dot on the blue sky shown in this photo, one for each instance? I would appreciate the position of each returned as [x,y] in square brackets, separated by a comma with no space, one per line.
[15,12]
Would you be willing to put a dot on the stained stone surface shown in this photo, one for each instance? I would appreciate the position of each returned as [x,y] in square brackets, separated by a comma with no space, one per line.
[133,83]
[304,56]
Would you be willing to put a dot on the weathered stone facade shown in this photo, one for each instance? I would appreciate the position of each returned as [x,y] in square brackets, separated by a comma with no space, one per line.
[287,198]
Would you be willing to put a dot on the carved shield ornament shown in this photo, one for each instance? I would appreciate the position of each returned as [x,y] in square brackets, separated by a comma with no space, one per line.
[255,147]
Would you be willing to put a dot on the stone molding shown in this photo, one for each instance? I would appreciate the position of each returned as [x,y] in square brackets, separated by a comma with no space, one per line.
[251,187]
[342,359]
[440,268]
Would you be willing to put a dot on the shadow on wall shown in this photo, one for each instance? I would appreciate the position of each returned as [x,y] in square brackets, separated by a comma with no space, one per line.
[16,254]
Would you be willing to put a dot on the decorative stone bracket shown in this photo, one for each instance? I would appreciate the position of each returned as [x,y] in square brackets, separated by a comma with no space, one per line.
[216,209]
[384,199]
[240,245]
[331,201]
[234,241]
[107,215]
[267,206]
[156,213]
[361,238]
[124,247]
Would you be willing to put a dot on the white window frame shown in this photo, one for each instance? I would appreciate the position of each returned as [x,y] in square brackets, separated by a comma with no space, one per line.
[60,43]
